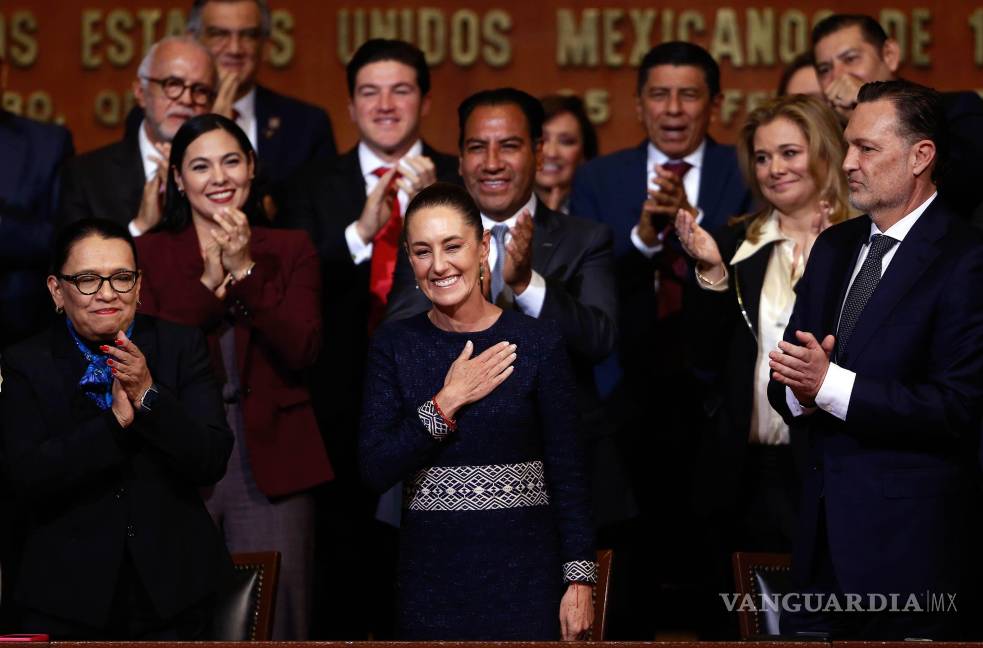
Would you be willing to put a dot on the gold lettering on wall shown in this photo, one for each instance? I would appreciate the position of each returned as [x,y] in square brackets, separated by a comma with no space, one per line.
[23,44]
[383,23]
[921,38]
[576,46]
[726,42]
[432,35]
[465,37]
[176,24]
[612,37]
[148,19]
[976,24]
[642,20]
[895,23]
[495,28]
[119,51]
[597,104]
[761,36]
[280,51]
[691,24]
[793,34]
[91,38]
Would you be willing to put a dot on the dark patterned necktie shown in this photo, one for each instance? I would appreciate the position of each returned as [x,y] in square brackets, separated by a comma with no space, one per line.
[498,287]
[862,288]
[672,267]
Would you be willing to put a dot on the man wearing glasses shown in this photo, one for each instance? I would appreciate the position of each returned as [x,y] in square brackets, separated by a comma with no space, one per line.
[124,181]
[285,132]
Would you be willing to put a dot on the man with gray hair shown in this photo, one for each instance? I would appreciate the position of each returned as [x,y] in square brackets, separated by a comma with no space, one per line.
[124,181]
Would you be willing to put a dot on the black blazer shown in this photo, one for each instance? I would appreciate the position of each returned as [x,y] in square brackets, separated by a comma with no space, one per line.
[323,199]
[92,491]
[896,480]
[104,183]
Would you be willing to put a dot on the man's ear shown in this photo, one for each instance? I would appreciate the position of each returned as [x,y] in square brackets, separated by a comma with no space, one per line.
[138,93]
[715,104]
[891,55]
[922,156]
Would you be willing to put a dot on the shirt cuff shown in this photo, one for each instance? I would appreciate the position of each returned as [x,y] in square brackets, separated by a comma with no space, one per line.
[531,300]
[359,249]
[134,230]
[580,571]
[646,250]
[834,394]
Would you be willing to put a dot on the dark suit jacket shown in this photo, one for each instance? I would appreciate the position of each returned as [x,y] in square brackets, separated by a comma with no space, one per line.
[574,256]
[289,133]
[93,491]
[895,480]
[324,199]
[104,183]
[277,333]
[31,158]
[960,185]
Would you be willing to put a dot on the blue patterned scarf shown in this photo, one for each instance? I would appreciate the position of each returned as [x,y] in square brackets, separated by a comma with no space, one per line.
[97,383]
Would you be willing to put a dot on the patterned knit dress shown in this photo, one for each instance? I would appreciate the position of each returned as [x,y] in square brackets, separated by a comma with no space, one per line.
[496,514]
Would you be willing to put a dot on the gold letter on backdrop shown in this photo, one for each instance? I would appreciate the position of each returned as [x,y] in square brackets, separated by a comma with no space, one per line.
[895,23]
[792,33]
[726,38]
[382,24]
[921,37]
[281,50]
[573,46]
[690,23]
[596,105]
[976,24]
[465,42]
[107,108]
[495,26]
[119,52]
[642,20]
[433,34]
[148,21]
[761,36]
[90,38]
[612,37]
[175,25]
[23,45]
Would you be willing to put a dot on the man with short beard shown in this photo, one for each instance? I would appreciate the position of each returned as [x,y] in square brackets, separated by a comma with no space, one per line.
[124,181]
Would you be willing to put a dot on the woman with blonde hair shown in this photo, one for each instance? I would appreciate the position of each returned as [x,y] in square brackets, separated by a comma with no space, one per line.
[790,150]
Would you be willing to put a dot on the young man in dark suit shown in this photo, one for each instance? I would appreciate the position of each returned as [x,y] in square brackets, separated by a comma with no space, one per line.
[637,191]
[882,368]
[853,49]
[352,208]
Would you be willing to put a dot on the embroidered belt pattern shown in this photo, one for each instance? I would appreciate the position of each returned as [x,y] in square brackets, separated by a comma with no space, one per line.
[477,488]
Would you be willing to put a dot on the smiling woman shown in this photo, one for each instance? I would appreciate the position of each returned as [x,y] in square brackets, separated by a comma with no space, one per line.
[256,294]
[473,408]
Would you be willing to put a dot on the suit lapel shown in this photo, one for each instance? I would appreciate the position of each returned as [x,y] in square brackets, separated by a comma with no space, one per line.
[129,171]
[353,183]
[268,125]
[915,254]
[842,267]
[545,237]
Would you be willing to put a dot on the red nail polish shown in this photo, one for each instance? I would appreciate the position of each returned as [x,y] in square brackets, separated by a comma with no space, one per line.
[119,342]
[104,348]
[113,369]
[109,362]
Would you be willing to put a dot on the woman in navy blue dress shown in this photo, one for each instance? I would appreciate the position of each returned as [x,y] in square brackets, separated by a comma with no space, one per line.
[473,408]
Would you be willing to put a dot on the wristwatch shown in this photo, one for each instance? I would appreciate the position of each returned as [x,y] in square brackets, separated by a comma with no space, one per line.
[149,399]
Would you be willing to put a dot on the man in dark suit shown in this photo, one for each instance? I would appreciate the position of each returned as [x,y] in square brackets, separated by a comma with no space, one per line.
[352,208]
[542,263]
[124,181]
[31,158]
[284,132]
[883,362]
[853,49]
[637,192]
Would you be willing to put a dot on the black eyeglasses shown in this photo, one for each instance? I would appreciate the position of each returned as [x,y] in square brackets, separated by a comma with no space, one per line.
[89,283]
[174,87]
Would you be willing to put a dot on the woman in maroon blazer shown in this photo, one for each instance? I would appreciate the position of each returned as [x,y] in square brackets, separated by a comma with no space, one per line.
[256,294]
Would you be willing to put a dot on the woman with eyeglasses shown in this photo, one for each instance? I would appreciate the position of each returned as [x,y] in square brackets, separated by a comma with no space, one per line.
[111,422]
[255,292]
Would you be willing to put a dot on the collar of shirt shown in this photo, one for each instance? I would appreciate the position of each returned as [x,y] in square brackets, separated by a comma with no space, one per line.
[489,223]
[900,229]
[368,161]
[148,153]
[246,107]
[770,232]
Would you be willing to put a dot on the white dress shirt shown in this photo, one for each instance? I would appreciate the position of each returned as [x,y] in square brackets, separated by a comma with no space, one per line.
[368,161]
[834,394]
[691,185]
[246,119]
[531,300]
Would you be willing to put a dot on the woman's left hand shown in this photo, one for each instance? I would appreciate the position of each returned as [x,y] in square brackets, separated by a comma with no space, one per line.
[576,611]
[234,241]
[129,367]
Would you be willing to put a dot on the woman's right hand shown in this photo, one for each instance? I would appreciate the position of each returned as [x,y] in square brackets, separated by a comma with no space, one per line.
[471,379]
[697,243]
[122,407]
[214,276]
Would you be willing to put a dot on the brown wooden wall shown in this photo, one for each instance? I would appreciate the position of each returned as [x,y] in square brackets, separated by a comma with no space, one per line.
[72,61]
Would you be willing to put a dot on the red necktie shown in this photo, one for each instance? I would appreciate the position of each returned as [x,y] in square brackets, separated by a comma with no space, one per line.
[672,266]
[385,246]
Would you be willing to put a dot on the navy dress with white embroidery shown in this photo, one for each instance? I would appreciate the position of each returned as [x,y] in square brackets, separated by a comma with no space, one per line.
[496,515]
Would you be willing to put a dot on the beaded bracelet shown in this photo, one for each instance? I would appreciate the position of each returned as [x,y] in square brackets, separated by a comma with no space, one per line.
[451,423]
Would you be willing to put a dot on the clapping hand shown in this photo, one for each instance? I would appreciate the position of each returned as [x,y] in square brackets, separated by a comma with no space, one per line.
[663,203]
[151,204]
[471,379]
[228,85]
[802,367]
[233,240]
[417,172]
[378,207]
[131,376]
[517,269]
